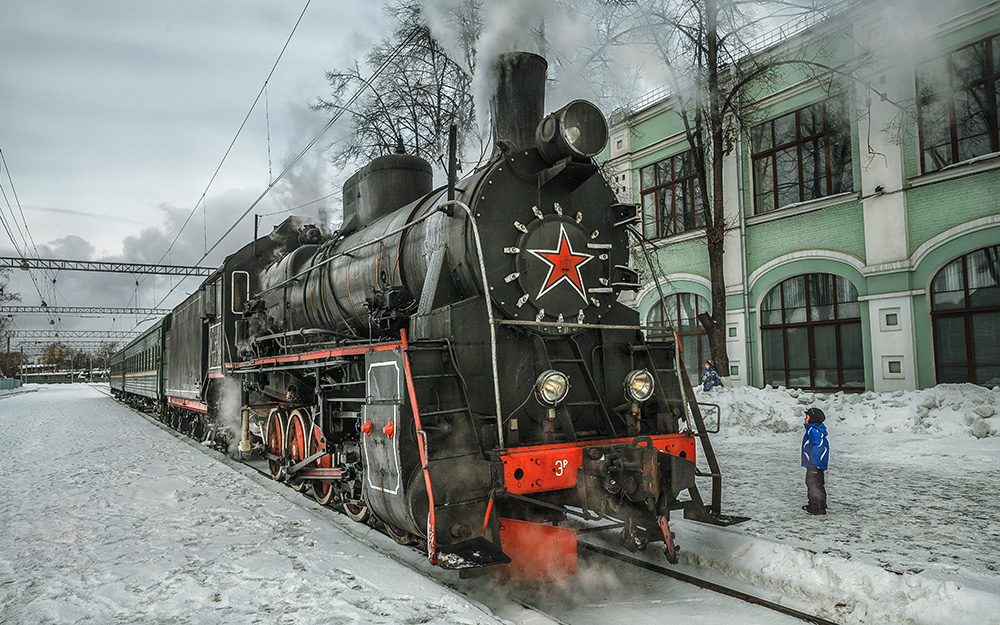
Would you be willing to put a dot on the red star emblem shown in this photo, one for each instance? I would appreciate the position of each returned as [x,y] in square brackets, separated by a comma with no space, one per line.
[564,265]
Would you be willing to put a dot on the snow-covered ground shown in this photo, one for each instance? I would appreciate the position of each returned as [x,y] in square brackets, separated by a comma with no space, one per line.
[106,518]
[912,533]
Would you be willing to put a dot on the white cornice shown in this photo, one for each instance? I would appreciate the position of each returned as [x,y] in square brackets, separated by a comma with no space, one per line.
[667,280]
[802,208]
[774,263]
[950,235]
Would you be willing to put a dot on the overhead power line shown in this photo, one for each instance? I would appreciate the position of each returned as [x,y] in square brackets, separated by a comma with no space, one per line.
[35,348]
[28,248]
[262,92]
[7,262]
[390,59]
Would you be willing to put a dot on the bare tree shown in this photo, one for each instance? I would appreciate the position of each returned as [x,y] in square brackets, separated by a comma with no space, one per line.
[419,92]
[715,73]
[6,296]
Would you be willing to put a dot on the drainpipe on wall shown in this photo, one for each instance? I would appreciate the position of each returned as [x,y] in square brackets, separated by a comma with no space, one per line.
[743,257]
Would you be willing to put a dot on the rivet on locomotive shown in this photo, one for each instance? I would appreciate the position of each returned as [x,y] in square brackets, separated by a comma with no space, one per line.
[452,364]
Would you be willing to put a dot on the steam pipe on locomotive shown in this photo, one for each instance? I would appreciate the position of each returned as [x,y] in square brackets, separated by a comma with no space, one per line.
[361,356]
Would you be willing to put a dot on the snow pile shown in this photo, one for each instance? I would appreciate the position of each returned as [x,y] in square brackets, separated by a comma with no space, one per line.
[828,584]
[946,410]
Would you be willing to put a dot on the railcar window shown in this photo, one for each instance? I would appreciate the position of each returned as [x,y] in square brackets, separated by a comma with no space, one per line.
[219,300]
[208,300]
[241,290]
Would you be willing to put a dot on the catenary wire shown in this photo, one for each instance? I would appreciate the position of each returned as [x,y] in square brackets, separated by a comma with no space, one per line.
[297,158]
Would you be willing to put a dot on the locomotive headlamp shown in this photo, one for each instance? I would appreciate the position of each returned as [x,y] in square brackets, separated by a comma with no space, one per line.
[551,387]
[577,129]
[639,385]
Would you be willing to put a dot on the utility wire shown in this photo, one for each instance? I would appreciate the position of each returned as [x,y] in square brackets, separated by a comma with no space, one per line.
[260,93]
[298,157]
[13,219]
[294,208]
[246,118]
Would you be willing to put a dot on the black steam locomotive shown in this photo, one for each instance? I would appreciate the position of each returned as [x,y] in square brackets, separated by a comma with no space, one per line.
[452,364]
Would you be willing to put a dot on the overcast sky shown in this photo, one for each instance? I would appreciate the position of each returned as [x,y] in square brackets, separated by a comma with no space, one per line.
[116,114]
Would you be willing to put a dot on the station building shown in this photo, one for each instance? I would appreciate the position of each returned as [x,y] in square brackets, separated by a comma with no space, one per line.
[863,212]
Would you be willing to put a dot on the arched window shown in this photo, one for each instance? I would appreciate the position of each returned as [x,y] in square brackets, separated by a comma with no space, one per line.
[811,334]
[680,312]
[965,312]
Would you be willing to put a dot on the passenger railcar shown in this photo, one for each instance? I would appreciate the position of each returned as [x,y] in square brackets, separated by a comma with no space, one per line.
[136,372]
[454,364]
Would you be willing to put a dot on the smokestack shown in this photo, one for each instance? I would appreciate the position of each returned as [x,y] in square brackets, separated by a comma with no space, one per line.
[519,100]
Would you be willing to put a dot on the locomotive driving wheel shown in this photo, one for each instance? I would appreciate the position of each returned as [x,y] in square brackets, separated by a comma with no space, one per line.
[359,513]
[296,443]
[274,442]
[401,537]
[322,491]
[194,427]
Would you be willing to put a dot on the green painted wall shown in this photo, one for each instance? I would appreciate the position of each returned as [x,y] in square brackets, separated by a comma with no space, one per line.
[687,256]
[938,207]
[839,228]
[931,208]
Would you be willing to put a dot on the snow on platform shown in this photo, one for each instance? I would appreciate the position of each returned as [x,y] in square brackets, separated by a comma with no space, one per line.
[106,518]
[912,533]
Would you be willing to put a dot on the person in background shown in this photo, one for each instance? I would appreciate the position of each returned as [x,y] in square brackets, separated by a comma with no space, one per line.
[815,458]
[709,377]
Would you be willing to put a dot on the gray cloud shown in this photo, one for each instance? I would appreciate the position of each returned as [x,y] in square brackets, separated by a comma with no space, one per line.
[117,113]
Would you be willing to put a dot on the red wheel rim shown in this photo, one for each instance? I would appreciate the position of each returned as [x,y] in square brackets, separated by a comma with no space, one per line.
[275,442]
[317,443]
[295,441]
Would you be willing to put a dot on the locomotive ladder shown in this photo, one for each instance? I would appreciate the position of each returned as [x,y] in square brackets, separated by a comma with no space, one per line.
[445,414]
[577,360]
[697,509]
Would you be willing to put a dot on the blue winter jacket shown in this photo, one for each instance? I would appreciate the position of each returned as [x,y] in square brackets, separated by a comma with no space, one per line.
[815,447]
[710,379]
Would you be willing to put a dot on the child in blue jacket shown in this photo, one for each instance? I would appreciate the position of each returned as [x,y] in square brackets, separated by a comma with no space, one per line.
[815,458]
[709,377]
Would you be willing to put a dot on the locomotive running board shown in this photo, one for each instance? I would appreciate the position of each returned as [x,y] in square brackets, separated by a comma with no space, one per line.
[695,510]
[472,553]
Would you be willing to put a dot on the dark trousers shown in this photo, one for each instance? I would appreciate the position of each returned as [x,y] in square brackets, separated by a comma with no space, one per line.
[816,487]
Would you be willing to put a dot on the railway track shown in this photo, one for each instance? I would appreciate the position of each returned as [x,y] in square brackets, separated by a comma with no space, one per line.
[701,583]
[417,558]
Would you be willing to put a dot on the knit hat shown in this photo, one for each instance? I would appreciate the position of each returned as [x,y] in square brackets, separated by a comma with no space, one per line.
[815,415]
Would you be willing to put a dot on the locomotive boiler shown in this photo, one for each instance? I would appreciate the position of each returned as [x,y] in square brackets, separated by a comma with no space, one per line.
[454,364]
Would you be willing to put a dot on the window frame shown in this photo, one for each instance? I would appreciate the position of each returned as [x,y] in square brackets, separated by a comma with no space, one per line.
[955,89]
[769,154]
[700,335]
[239,279]
[670,186]
[965,312]
[809,326]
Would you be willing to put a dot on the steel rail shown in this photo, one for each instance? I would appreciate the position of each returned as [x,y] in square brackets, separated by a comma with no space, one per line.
[707,585]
